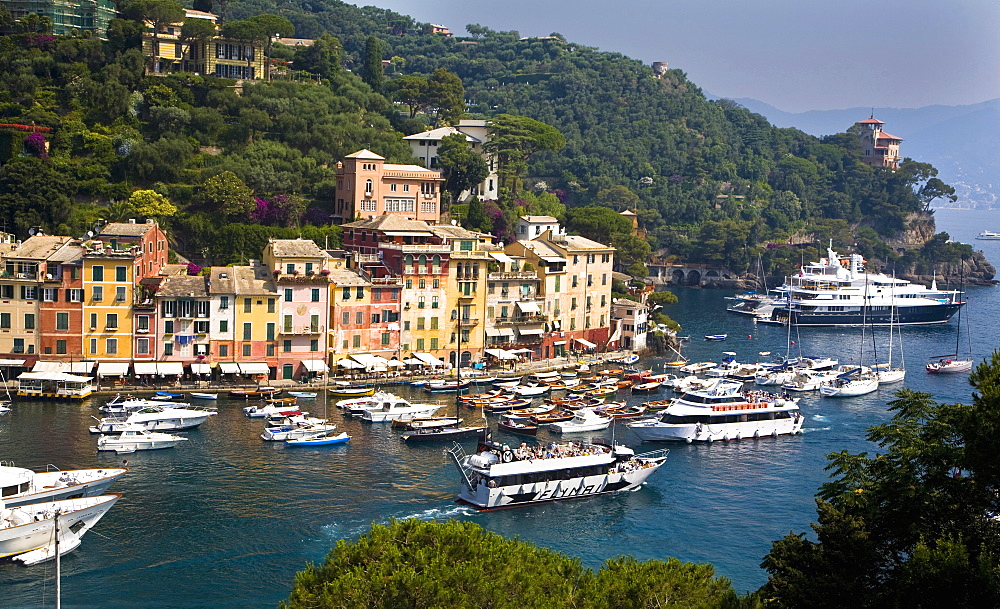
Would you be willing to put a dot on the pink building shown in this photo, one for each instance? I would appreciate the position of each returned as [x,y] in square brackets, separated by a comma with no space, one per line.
[368,187]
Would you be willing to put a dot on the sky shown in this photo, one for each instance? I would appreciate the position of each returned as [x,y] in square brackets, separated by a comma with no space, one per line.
[796,55]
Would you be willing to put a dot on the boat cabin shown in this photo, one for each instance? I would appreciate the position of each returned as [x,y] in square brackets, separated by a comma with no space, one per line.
[54,385]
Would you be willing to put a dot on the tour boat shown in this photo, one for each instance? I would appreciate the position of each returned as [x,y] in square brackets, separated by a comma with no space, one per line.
[28,528]
[585,419]
[155,418]
[136,437]
[722,412]
[496,476]
[20,486]
[328,440]
[988,235]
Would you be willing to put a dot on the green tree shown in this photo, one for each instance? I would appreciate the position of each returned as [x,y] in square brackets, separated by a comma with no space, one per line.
[513,140]
[618,197]
[151,204]
[936,189]
[410,90]
[371,71]
[598,223]
[227,194]
[445,96]
[159,14]
[462,166]
[321,58]
[270,26]
[33,192]
[196,30]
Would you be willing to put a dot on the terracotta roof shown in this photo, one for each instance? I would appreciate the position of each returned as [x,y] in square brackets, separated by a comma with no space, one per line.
[389,222]
[184,286]
[365,154]
[885,136]
[124,229]
[39,247]
[871,121]
[295,248]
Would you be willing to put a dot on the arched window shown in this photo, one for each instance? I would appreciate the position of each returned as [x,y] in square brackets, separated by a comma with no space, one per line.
[436,264]
[408,262]
[368,187]
[421,264]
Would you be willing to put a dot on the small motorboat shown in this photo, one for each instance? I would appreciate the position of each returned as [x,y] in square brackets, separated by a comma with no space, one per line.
[167,396]
[517,426]
[584,420]
[295,428]
[31,529]
[5,407]
[265,410]
[22,486]
[204,396]
[351,392]
[417,383]
[259,392]
[716,336]
[155,418]
[136,437]
[631,359]
[647,387]
[341,438]
[302,394]
[530,391]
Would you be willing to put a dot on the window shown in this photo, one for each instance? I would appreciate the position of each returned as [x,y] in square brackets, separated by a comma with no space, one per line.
[359,317]
[29,292]
[142,323]
[121,273]
[356,342]
[184,308]
[392,187]
[50,294]
[247,305]
[247,350]
[223,350]
[360,293]
[314,345]
[270,305]
[111,346]
[93,321]
[168,308]
[288,294]
[605,257]
[421,302]
[223,302]
[289,268]
[436,284]
[201,349]
[604,279]
[420,344]
[75,295]
[572,304]
[434,343]
[93,346]
[574,281]
[223,326]
[270,330]
[604,301]
[345,318]
[62,321]
[376,294]
[286,325]
[385,339]
[434,302]
[420,323]
[315,295]
[168,327]
[270,350]
[201,308]
[97,273]
[247,331]
[590,280]
[29,321]
[286,346]
[111,322]
[309,267]
[558,282]
[422,284]
[347,293]
[434,323]
[314,323]
[142,346]
[5,321]
[201,327]
[61,347]
[6,291]
[406,325]
[120,294]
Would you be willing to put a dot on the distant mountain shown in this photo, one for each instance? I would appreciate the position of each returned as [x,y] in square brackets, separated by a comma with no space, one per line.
[959,140]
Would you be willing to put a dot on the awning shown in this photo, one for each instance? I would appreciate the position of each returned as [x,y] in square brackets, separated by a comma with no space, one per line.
[493,332]
[201,369]
[112,369]
[53,376]
[586,343]
[500,257]
[80,367]
[367,360]
[47,367]
[229,368]
[530,331]
[517,351]
[553,258]
[378,360]
[170,368]
[501,354]
[348,364]
[395,363]
[251,368]
[528,307]
[141,368]
[428,359]
[506,332]
[68,367]
[413,362]
[559,342]
[11,362]
[314,365]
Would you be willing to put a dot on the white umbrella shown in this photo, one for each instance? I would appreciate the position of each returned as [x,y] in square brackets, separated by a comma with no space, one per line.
[413,362]
[346,363]
[395,363]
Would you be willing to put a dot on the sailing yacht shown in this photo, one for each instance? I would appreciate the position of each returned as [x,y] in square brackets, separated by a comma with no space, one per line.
[885,372]
[953,364]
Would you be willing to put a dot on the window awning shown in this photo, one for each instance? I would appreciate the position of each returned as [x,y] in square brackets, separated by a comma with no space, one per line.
[201,369]
[68,367]
[559,342]
[530,331]
[501,354]
[80,367]
[500,257]
[395,363]
[314,365]
[493,332]
[112,369]
[229,368]
[170,368]
[144,368]
[516,351]
[428,359]
[586,343]
[11,362]
[53,376]
[367,360]
[251,368]
[412,362]
[528,307]
[506,332]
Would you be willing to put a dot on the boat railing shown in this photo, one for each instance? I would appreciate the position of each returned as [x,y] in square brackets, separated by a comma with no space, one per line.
[52,468]
[458,455]
[660,453]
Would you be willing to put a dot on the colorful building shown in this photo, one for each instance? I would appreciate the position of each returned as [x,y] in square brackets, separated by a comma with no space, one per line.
[255,320]
[879,149]
[368,187]
[515,308]
[424,146]
[631,324]
[61,306]
[227,58]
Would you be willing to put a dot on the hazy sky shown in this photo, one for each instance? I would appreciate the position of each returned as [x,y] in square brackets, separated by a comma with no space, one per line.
[796,55]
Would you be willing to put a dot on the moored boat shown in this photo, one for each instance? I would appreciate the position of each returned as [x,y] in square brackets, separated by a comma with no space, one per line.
[585,419]
[328,440]
[27,528]
[351,392]
[259,392]
[517,426]
[196,395]
[21,486]
[135,438]
[155,418]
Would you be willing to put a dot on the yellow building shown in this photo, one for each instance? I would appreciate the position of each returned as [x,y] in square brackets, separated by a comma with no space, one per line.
[465,293]
[170,53]
[21,291]
[108,294]
[256,316]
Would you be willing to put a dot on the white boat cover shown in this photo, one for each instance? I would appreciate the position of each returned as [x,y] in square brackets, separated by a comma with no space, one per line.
[112,369]
[201,369]
[585,343]
[54,376]
[250,368]
[170,368]
[144,367]
[314,365]
[229,368]
[428,359]
[501,354]
[528,307]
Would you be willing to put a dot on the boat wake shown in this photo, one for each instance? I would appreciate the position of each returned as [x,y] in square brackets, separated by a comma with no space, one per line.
[337,531]
[812,429]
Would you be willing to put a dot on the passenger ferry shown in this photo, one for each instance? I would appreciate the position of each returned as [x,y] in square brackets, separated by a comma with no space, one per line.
[836,291]
[496,476]
[54,386]
[722,412]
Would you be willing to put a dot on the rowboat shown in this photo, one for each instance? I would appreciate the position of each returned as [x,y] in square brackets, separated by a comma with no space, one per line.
[341,438]
[254,393]
[716,336]
[351,392]
[614,372]
[300,394]
[646,387]
[676,363]
[624,383]
[527,413]
[204,396]
[553,417]
[657,404]
[518,427]
[627,412]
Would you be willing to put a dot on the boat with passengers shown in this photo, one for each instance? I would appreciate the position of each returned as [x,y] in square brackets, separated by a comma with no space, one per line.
[722,411]
[498,476]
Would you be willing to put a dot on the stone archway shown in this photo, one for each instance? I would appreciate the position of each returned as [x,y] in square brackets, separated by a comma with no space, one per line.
[677,277]
[693,278]
[711,276]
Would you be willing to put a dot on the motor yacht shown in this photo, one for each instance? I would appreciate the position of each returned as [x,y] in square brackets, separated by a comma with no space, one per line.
[136,437]
[155,418]
[31,527]
[21,486]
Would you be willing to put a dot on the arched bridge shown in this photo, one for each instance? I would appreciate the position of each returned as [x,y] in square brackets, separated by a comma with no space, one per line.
[689,274]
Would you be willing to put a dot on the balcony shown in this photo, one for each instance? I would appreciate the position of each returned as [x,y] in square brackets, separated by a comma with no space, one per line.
[421,248]
[303,330]
[468,322]
[518,320]
[467,276]
[512,276]
[146,305]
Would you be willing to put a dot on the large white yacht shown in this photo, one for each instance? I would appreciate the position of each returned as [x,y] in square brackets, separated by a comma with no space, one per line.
[28,528]
[835,290]
[722,412]
[21,486]
[155,418]
[497,476]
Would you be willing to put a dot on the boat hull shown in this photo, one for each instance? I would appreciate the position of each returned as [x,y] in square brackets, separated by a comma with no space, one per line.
[878,316]
[436,435]
[655,431]
[38,534]
[49,487]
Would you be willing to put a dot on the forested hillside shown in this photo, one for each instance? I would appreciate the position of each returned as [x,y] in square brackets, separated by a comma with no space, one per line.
[709,181]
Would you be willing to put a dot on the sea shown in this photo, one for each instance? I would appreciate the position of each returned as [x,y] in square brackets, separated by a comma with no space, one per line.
[226,520]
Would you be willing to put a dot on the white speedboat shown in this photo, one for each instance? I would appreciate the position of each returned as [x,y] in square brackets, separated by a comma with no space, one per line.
[398,409]
[155,418]
[196,395]
[20,486]
[296,428]
[988,235]
[28,528]
[136,437]
[849,384]
[123,404]
[358,405]
[949,365]
[302,394]
[530,391]
[5,407]
[809,380]
[722,412]
[499,477]
[697,367]
[269,409]
[585,419]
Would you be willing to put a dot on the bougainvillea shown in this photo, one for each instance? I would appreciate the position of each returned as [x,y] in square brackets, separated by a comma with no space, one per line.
[35,144]
[193,269]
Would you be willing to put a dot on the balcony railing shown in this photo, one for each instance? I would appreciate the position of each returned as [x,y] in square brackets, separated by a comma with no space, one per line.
[521,319]
[301,330]
[468,322]
[512,276]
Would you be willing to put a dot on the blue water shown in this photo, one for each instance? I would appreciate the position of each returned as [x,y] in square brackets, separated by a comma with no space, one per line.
[226,520]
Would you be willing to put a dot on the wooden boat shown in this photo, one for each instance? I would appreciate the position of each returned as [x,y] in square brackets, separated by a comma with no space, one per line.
[437,434]
[517,427]
[569,399]
[627,412]
[285,401]
[508,405]
[647,387]
[255,393]
[527,413]
[602,392]
[716,336]
[426,422]
[676,363]
[341,438]
[553,417]
[443,386]
[614,372]
[657,404]
[639,375]
[204,396]
[587,402]
[351,392]
[624,383]
[486,395]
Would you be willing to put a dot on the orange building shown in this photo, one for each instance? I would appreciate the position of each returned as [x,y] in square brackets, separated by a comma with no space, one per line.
[879,148]
[368,187]
[61,307]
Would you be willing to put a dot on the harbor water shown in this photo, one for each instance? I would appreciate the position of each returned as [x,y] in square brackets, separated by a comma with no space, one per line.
[226,520]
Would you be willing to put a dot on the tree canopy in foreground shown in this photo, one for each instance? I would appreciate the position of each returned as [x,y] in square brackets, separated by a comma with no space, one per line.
[417,564]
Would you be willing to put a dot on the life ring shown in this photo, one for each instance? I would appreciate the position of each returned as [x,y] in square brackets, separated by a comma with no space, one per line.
[507,456]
